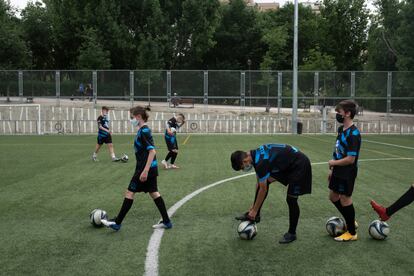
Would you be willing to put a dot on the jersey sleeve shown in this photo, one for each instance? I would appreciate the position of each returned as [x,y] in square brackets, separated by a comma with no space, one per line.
[100,121]
[147,140]
[262,170]
[354,141]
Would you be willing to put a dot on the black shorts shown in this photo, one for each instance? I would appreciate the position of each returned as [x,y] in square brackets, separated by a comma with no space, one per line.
[171,143]
[149,186]
[299,177]
[106,140]
[342,186]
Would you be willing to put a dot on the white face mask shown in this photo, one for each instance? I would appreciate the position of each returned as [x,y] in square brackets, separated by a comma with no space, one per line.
[134,122]
[247,168]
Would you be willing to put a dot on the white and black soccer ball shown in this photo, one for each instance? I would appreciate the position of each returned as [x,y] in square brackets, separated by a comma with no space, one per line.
[335,226]
[173,130]
[96,216]
[379,230]
[247,230]
[124,158]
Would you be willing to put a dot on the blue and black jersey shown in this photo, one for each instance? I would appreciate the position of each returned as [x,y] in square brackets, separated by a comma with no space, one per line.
[274,160]
[348,143]
[143,143]
[103,121]
[171,140]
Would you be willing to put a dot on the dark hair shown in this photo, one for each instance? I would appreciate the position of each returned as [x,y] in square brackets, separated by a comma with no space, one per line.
[105,108]
[182,115]
[237,159]
[347,106]
[139,110]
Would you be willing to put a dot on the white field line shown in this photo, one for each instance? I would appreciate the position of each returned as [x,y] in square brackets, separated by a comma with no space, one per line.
[151,261]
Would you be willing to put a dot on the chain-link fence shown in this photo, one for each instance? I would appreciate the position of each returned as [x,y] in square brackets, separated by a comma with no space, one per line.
[382,92]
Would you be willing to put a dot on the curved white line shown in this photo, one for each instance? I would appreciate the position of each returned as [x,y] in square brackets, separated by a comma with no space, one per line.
[151,261]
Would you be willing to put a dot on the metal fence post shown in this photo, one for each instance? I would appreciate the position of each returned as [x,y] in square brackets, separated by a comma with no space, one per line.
[21,86]
[131,87]
[352,85]
[279,92]
[57,83]
[95,87]
[316,89]
[169,88]
[389,92]
[205,88]
[242,91]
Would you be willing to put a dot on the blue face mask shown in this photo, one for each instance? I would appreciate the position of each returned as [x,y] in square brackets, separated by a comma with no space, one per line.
[247,168]
[134,122]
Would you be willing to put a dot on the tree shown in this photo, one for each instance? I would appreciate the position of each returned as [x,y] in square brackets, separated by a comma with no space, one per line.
[317,61]
[343,29]
[37,30]
[91,54]
[13,51]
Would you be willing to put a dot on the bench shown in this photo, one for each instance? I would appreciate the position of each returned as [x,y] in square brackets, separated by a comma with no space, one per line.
[180,101]
[29,99]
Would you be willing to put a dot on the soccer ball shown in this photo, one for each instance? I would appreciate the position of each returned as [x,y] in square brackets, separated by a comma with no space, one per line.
[379,230]
[124,158]
[96,216]
[173,130]
[335,226]
[247,230]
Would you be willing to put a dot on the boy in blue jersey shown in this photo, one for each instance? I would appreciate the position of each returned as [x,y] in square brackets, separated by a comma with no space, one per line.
[343,168]
[276,162]
[146,172]
[172,126]
[104,135]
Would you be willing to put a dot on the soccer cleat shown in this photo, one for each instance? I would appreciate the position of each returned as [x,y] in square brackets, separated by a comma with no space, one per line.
[287,238]
[116,159]
[94,158]
[244,217]
[346,237]
[162,225]
[165,164]
[381,211]
[111,224]
[172,166]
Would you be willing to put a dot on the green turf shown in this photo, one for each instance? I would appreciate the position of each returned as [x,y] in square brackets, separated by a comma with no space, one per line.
[48,186]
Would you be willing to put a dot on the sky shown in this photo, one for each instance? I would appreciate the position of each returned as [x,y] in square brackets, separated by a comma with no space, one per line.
[21,4]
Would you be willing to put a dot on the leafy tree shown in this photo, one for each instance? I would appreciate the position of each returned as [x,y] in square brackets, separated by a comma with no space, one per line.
[91,54]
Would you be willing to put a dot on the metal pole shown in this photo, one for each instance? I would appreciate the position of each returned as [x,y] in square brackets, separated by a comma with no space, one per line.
[95,87]
[389,92]
[57,83]
[279,92]
[316,89]
[242,90]
[205,88]
[21,86]
[352,85]
[131,87]
[295,71]
[169,87]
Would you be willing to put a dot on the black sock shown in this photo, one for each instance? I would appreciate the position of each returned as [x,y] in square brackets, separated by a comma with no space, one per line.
[349,215]
[339,206]
[294,213]
[403,201]
[168,156]
[174,156]
[126,205]
[163,211]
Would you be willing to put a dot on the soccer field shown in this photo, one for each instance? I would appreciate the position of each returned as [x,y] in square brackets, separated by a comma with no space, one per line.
[49,185]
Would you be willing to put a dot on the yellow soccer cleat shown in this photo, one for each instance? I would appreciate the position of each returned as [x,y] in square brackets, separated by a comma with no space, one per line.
[346,237]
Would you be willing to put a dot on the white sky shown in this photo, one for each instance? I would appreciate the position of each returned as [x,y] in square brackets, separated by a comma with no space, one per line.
[21,4]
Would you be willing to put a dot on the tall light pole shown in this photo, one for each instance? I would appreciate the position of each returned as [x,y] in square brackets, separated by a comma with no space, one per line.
[295,71]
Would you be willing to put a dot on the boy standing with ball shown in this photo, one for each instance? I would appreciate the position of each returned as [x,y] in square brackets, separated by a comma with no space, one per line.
[343,168]
[172,126]
[104,135]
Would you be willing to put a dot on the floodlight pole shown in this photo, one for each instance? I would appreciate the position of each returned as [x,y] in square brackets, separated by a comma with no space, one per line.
[295,71]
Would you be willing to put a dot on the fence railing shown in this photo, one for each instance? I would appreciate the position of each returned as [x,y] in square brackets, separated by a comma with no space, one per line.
[387,92]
